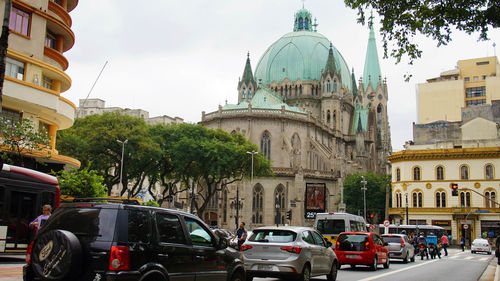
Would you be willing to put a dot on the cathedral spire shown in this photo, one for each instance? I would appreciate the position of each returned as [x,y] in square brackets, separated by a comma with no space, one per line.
[354,87]
[330,62]
[372,66]
[247,72]
[247,85]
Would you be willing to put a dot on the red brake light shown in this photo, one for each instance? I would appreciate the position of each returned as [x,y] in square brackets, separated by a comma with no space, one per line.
[337,244]
[472,243]
[28,253]
[119,258]
[402,243]
[245,247]
[294,250]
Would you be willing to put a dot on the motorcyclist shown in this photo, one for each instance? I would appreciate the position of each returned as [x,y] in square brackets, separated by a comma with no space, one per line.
[422,241]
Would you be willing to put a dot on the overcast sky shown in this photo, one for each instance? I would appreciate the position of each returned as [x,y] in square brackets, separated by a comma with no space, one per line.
[179,58]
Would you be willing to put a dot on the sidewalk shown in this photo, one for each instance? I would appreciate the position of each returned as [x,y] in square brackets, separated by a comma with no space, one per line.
[11,268]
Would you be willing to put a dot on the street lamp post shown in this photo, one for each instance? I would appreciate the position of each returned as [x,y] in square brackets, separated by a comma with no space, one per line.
[252,153]
[121,166]
[363,182]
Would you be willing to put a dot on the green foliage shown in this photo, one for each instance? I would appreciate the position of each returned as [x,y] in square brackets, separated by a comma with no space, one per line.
[375,193]
[151,203]
[81,183]
[20,138]
[401,20]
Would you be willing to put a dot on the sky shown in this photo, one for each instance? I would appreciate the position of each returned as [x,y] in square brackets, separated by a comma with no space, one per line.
[179,58]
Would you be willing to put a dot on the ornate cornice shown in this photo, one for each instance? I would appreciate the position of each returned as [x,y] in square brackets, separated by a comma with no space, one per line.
[445,154]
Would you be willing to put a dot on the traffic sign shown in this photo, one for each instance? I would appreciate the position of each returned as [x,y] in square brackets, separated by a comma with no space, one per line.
[466,226]
[372,227]
[387,223]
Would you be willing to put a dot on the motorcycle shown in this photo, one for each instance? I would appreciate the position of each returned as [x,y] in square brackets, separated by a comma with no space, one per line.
[422,251]
[434,251]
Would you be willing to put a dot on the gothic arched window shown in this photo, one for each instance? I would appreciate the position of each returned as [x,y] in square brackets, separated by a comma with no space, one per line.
[335,85]
[265,144]
[257,203]
[301,23]
[306,23]
[279,202]
[328,116]
[328,86]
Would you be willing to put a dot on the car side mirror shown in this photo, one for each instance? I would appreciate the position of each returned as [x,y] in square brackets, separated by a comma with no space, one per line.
[328,244]
[223,241]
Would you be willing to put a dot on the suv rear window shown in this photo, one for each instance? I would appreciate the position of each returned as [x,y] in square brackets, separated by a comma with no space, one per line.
[87,223]
[392,239]
[352,242]
[273,236]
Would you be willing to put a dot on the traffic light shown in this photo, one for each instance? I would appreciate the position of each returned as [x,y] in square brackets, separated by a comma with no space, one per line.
[454,189]
[289,214]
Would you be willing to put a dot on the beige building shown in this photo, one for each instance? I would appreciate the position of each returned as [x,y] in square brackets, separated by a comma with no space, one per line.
[472,82]
[98,106]
[35,78]
[308,114]
[465,151]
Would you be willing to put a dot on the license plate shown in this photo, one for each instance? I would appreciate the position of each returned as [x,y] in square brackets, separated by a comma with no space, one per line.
[351,256]
[265,267]
[480,249]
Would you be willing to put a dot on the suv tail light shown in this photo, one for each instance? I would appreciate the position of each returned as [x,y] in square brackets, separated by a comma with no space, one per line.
[402,243]
[28,253]
[119,258]
[245,247]
[294,250]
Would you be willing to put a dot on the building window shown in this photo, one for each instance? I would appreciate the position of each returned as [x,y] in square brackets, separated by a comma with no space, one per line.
[475,92]
[50,40]
[476,78]
[279,202]
[417,199]
[19,21]
[9,117]
[399,200]
[439,173]
[464,172]
[265,145]
[43,127]
[484,77]
[46,82]
[465,199]
[416,173]
[489,199]
[466,79]
[257,204]
[488,170]
[328,86]
[14,68]
[476,102]
[440,199]
[398,174]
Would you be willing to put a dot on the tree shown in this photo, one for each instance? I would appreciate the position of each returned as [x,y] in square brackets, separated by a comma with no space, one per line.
[93,140]
[20,138]
[401,20]
[81,183]
[375,194]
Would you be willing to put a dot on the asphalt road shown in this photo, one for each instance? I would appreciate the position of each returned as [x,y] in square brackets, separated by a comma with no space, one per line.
[457,266]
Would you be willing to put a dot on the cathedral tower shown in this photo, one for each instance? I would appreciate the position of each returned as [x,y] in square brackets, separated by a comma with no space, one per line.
[247,85]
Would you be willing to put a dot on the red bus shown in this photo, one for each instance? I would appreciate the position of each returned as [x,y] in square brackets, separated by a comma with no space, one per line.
[23,192]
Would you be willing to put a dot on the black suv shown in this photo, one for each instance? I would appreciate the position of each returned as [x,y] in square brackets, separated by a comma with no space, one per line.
[100,241]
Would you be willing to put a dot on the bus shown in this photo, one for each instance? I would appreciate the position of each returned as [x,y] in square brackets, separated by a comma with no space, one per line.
[330,225]
[23,192]
[415,229]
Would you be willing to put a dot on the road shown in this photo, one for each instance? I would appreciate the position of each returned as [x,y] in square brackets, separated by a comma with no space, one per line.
[457,266]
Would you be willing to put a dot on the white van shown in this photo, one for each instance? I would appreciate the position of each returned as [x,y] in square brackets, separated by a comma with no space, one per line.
[332,224]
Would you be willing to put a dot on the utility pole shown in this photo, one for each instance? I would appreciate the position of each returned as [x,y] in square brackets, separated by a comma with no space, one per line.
[363,182]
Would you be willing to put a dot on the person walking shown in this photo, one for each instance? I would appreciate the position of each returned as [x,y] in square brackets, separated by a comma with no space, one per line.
[41,219]
[462,243]
[444,242]
[241,233]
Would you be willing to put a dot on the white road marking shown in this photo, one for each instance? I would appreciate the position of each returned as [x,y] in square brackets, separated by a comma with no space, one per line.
[468,258]
[483,259]
[454,257]
[396,271]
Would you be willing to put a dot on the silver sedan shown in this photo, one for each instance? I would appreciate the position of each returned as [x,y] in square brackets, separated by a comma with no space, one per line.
[288,252]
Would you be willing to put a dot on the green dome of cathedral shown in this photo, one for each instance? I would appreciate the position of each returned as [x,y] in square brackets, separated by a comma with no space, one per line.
[301,54]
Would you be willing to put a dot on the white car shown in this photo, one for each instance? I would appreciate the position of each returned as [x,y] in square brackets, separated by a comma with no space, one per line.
[480,245]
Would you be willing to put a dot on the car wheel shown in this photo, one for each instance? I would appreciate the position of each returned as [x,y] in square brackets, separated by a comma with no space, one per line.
[387,263]
[249,278]
[332,276]
[413,258]
[405,259]
[374,264]
[306,274]
[56,255]
[473,252]
[489,253]
[237,276]
[353,266]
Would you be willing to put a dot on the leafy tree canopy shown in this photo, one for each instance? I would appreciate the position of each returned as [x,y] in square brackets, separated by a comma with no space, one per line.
[375,194]
[81,183]
[401,20]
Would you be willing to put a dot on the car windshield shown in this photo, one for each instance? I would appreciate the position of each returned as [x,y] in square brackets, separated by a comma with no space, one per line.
[327,226]
[274,236]
[392,239]
[86,223]
[352,242]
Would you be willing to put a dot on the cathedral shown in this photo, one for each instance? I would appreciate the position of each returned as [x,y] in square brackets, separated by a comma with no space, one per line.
[316,123]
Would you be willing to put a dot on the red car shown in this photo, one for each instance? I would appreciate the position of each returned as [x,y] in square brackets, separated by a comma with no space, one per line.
[364,248]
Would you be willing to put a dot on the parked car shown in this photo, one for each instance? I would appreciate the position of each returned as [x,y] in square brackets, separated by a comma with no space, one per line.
[288,252]
[480,245]
[362,248]
[399,247]
[121,241]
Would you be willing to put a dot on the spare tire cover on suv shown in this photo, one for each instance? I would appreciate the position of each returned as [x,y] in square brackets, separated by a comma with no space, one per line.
[56,254]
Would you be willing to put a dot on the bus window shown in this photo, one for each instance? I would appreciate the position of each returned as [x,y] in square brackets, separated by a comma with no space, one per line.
[331,226]
[48,198]
[22,206]
[2,200]
[357,226]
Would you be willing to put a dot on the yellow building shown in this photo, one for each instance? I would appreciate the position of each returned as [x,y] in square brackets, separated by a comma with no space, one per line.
[35,78]
[472,82]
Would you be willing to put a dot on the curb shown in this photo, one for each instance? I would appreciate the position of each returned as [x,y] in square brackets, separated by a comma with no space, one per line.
[491,272]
